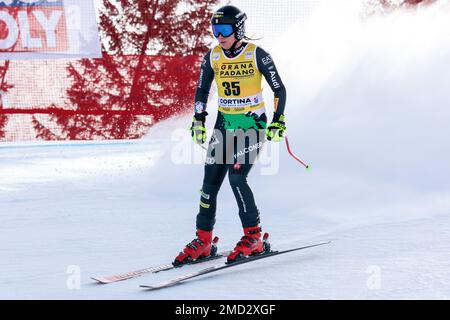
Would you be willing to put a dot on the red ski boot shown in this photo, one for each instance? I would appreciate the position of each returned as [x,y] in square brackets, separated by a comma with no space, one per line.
[201,247]
[250,244]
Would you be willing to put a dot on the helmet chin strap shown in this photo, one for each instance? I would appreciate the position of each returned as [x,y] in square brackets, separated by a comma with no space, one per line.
[233,47]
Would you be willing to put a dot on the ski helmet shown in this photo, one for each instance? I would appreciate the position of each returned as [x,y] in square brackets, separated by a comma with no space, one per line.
[229,15]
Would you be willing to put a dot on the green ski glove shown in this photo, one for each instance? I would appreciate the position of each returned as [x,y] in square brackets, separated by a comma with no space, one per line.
[276,129]
[198,129]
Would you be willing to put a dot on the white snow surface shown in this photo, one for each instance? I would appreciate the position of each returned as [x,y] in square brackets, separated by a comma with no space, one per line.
[368,108]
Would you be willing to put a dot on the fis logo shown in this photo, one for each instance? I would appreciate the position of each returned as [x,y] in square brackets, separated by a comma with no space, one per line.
[32,25]
[200,107]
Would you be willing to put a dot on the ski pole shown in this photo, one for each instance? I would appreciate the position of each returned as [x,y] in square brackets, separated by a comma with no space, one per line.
[293,155]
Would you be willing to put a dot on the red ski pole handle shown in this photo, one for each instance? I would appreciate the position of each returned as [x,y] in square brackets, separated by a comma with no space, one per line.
[293,155]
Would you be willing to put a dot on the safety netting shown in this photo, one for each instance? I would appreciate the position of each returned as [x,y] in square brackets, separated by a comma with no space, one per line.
[148,56]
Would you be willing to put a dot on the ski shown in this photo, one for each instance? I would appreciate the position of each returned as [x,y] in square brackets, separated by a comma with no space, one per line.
[225,265]
[155,269]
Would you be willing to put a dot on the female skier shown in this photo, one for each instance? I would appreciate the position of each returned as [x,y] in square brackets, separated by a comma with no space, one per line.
[237,66]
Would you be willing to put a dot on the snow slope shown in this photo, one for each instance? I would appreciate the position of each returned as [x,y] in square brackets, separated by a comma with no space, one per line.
[367,107]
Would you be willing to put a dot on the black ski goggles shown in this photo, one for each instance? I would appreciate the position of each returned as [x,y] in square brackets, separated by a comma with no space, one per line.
[225,30]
